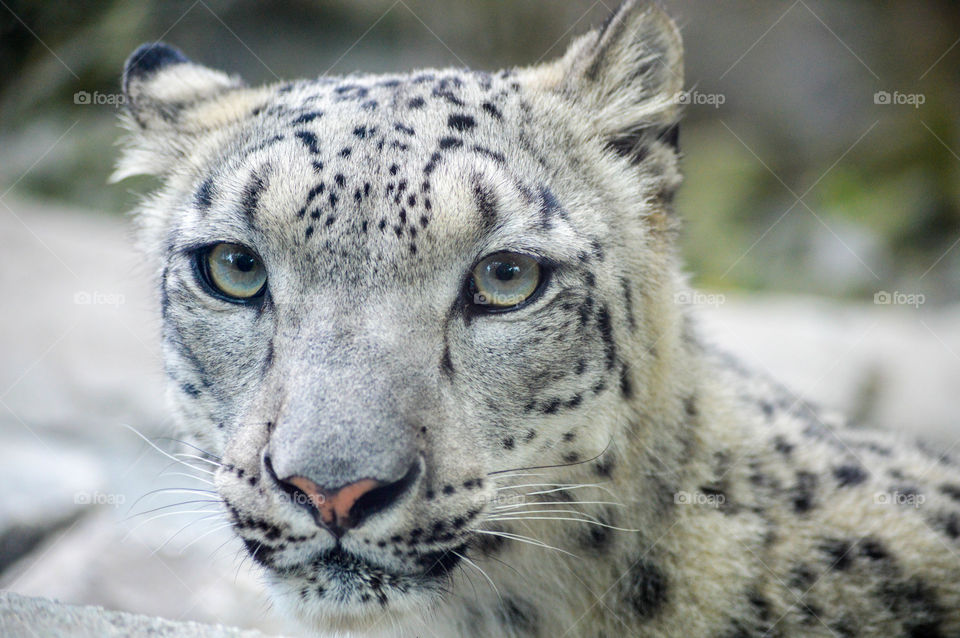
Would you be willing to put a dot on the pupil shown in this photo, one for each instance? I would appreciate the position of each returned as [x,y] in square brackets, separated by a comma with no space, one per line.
[245,263]
[506,271]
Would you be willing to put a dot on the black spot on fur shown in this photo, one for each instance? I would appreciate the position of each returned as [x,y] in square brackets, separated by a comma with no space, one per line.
[316,190]
[190,390]
[549,207]
[416,103]
[953,491]
[204,196]
[803,492]
[838,553]
[307,117]
[626,385]
[402,128]
[487,205]
[873,549]
[486,152]
[849,475]
[782,446]
[646,588]
[309,140]
[446,363]
[251,195]
[508,442]
[431,164]
[450,142]
[461,122]
[606,333]
[492,110]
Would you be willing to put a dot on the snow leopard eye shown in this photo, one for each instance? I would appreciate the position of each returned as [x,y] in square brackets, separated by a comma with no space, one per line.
[503,281]
[232,272]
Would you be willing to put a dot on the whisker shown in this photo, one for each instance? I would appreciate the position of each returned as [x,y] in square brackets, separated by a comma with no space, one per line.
[205,534]
[522,474]
[547,467]
[163,507]
[153,518]
[539,503]
[166,454]
[525,539]
[172,490]
[196,478]
[175,534]
[560,518]
[508,514]
[184,455]
[573,487]
[198,449]
[479,569]
[192,467]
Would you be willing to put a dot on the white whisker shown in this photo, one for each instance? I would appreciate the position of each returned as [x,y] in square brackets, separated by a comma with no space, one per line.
[166,454]
[172,490]
[479,569]
[205,534]
[164,507]
[525,539]
[560,518]
[175,534]
[162,515]
[195,478]
[199,458]
[540,503]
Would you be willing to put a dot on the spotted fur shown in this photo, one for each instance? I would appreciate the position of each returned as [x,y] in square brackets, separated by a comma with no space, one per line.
[585,464]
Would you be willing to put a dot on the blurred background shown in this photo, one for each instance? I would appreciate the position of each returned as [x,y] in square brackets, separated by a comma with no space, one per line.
[821,208]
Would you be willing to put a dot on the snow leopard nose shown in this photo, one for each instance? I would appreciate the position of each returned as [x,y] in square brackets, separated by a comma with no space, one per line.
[345,507]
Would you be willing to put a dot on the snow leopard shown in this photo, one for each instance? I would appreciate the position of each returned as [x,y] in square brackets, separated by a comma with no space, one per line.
[429,329]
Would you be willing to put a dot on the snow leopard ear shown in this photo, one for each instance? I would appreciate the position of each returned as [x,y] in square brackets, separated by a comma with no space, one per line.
[170,102]
[626,77]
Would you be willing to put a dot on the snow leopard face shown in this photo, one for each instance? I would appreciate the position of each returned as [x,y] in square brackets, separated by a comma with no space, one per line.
[384,297]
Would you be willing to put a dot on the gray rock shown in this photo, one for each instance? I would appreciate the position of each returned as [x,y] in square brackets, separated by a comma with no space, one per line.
[23,617]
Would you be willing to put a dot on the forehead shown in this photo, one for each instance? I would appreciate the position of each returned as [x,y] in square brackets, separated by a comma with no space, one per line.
[381,168]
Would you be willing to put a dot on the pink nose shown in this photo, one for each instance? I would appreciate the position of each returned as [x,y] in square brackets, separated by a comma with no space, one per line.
[333,505]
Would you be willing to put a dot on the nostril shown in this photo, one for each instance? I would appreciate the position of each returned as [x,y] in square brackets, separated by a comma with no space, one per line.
[297,495]
[380,498]
[344,507]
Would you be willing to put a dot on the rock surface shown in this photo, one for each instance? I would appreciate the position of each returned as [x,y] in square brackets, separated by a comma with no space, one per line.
[23,617]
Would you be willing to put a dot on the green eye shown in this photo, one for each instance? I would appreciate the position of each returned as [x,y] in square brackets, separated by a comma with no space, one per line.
[504,280]
[234,271]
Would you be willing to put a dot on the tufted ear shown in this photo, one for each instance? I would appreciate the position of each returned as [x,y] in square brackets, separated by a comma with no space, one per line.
[171,102]
[626,76]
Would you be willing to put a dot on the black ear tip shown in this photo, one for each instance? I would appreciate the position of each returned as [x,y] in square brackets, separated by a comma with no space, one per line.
[149,58]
